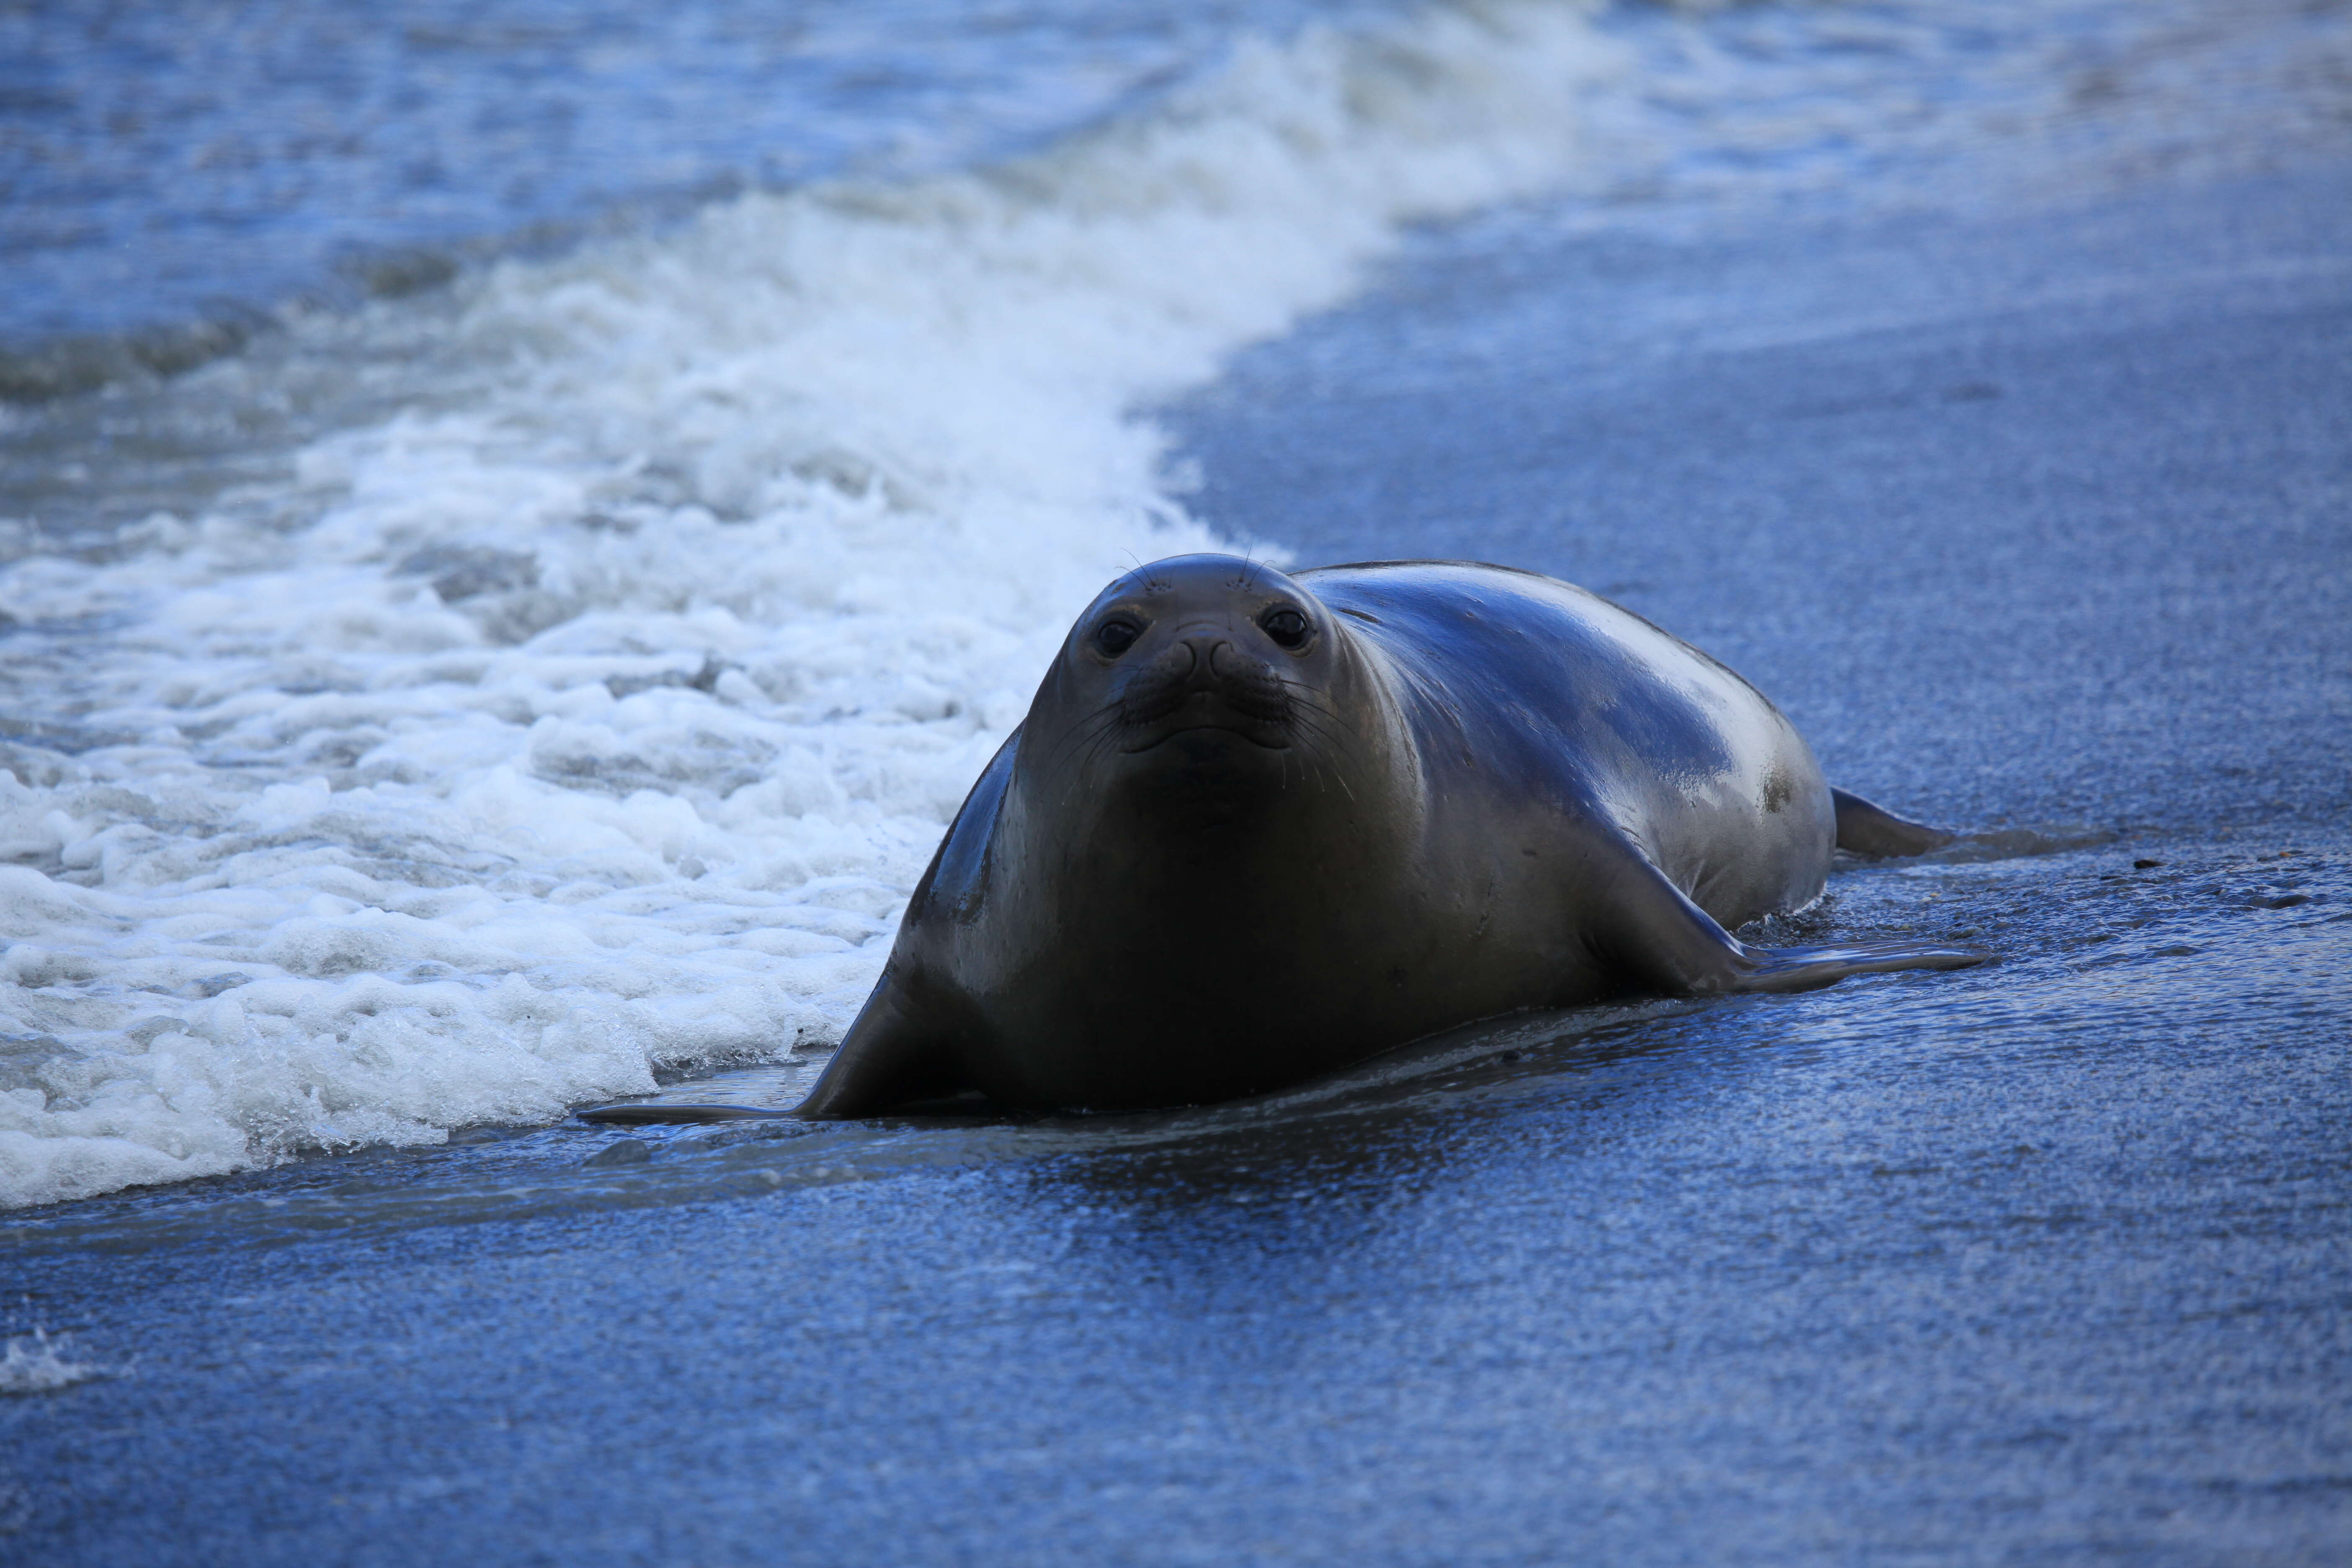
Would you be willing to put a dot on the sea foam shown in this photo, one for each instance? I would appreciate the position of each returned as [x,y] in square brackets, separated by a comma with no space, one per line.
[36,1363]
[593,715]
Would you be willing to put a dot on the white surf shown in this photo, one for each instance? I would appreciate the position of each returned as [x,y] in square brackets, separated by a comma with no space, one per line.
[594,715]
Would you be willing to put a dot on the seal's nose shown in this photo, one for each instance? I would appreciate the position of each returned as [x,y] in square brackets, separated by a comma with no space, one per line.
[1214,658]
[1203,663]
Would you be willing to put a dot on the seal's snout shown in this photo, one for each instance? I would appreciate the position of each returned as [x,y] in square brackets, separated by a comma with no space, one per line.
[1160,687]
[1250,687]
[1222,661]
[1199,656]
[1203,680]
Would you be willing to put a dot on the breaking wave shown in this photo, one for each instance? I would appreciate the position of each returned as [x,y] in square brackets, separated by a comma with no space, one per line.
[593,716]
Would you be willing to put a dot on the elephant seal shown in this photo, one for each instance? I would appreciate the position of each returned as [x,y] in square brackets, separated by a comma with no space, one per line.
[1259,826]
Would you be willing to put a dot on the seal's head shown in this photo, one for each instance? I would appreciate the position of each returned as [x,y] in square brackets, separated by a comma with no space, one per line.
[1199,672]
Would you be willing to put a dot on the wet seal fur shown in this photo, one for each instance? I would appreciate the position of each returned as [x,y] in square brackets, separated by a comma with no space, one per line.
[1258,826]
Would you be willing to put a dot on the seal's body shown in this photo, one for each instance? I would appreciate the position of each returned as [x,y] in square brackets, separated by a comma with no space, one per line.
[1256,827]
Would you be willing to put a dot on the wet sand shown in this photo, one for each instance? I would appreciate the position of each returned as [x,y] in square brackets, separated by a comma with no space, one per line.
[2029,518]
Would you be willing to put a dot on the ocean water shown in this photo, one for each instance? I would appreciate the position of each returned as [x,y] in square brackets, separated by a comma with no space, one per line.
[178,173]
[454,706]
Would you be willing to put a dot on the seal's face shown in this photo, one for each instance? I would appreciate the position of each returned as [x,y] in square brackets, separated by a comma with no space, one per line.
[1199,667]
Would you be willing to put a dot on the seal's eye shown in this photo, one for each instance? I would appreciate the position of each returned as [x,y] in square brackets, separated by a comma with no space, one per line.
[1285,626]
[1115,637]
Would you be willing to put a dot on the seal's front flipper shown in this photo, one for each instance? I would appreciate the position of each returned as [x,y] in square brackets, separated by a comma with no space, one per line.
[888,1059]
[883,1061]
[1866,829]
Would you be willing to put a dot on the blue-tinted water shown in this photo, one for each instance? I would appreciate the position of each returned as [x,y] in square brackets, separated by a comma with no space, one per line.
[458,705]
[169,168]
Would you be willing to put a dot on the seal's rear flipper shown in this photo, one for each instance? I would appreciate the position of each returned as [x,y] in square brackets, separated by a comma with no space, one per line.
[1677,948]
[1810,968]
[658,1115]
[1866,829]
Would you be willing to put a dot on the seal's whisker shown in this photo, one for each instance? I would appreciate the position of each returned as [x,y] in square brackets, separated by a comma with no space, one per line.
[1085,737]
[1337,746]
[1309,696]
[1109,713]
[1322,727]
[1104,738]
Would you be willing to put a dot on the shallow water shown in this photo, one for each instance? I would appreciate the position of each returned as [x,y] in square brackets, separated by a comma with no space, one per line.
[1972,380]
[2091,932]
[2047,1259]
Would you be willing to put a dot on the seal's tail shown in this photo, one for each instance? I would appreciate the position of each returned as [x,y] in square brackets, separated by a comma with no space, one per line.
[1865,829]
